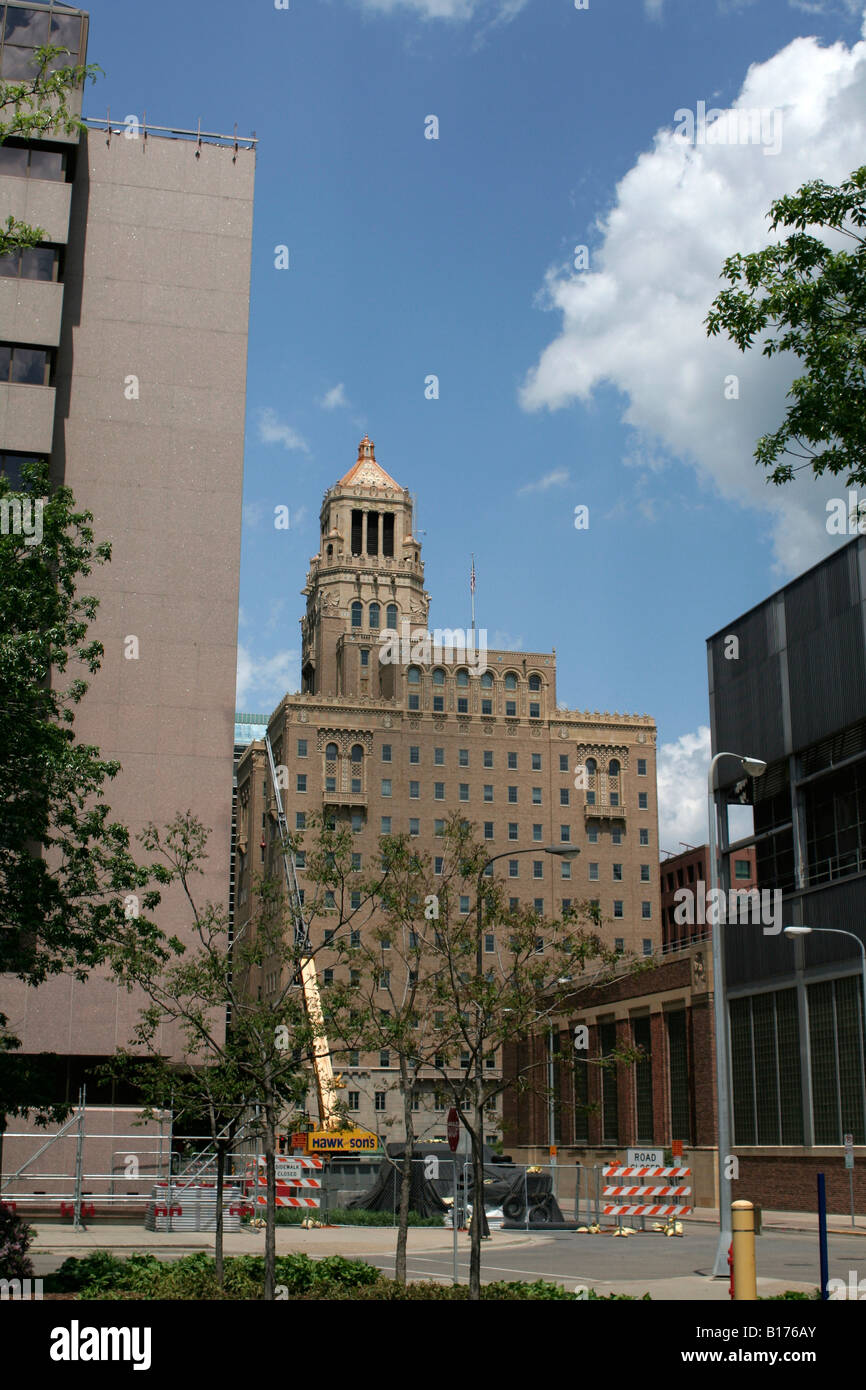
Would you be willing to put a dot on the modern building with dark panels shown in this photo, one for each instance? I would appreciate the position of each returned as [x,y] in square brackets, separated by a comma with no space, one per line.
[126,333]
[791,690]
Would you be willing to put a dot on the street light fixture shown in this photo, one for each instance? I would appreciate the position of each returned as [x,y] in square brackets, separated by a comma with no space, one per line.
[754,767]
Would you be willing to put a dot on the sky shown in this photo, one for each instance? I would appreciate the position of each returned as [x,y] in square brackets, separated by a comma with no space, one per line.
[566,378]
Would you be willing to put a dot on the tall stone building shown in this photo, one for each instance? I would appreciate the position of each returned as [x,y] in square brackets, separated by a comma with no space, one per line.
[396,746]
[123,338]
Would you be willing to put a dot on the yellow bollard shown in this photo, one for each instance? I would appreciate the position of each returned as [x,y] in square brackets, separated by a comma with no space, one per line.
[743,1227]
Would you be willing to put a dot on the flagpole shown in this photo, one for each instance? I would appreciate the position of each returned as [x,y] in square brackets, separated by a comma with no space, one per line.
[472,592]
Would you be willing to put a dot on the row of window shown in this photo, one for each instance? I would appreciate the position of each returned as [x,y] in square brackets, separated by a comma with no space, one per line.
[33,263]
[31,28]
[374,616]
[440,1101]
[487,760]
[29,366]
[463,791]
[385,1059]
[26,162]
[386,828]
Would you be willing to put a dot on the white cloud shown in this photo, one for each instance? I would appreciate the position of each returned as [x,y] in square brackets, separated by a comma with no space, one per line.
[637,319]
[264,681]
[273,431]
[557,478]
[334,399]
[502,641]
[653,8]
[448,9]
[681,774]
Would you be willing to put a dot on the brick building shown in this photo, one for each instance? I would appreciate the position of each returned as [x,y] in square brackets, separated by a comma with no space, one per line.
[691,870]
[398,746]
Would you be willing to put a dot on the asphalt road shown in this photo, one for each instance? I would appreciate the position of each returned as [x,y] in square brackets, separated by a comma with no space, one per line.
[580,1259]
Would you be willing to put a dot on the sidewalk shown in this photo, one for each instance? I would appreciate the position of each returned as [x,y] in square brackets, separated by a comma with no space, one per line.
[807,1221]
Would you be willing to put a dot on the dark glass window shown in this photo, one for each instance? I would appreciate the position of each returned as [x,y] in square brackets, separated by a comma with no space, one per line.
[35,263]
[374,615]
[391,615]
[681,1126]
[29,28]
[25,365]
[610,1118]
[357,613]
[643,1082]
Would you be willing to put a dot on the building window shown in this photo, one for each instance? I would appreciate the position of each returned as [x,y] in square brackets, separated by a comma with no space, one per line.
[329,897]
[538,868]
[512,762]
[512,830]
[464,903]
[678,1065]
[565,834]
[300,820]
[462,757]
[374,613]
[300,859]
[385,979]
[438,827]
[513,905]
[565,868]
[610,1107]
[646,910]
[644,873]
[592,835]
[365,656]
[511,708]
[538,905]
[463,792]
[414,826]
[537,833]
[439,757]
[356,862]
[534,683]
[488,791]
[25,365]
[354,1059]
[391,616]
[487,757]
[357,613]
[536,796]
[534,709]
[415,753]
[355,1099]
[302,782]
[380,1100]
[20,161]
[563,796]
[536,762]
[618,907]
[488,830]
[438,704]
[328,976]
[355,938]
[513,868]
[439,791]
[489,943]
[742,868]
[512,795]
[643,801]
[386,786]
[486,706]
[765,1067]
[510,681]
[617,873]
[590,798]
[386,825]
[619,943]
[643,1082]
[384,1058]
[647,946]
[462,705]
[593,872]
[413,675]
[302,747]
[438,864]
[641,767]
[643,835]
[386,752]
[414,791]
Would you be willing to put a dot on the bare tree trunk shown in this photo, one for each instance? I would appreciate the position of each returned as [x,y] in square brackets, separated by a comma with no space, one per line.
[479,1219]
[405,1190]
[219,1261]
[271,1208]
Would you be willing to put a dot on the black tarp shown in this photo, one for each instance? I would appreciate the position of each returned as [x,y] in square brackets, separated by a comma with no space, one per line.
[384,1195]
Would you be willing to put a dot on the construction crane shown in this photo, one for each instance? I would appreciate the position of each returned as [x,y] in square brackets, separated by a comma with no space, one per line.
[333,1137]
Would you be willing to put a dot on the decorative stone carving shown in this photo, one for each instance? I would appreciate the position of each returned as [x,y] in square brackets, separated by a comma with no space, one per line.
[387,721]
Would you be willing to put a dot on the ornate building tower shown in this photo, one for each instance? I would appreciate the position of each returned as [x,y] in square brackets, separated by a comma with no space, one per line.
[367,576]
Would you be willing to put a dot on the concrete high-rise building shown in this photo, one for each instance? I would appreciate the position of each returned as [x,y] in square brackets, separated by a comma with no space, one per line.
[396,746]
[123,346]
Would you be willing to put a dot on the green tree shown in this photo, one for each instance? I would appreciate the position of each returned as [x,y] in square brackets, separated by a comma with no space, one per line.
[808,298]
[35,108]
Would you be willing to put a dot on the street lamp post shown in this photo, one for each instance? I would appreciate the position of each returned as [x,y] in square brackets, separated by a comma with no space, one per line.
[755,768]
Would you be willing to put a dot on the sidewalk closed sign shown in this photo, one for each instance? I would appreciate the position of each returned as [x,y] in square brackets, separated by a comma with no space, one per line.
[639,1158]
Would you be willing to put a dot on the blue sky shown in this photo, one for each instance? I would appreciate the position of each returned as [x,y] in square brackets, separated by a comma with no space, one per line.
[558,386]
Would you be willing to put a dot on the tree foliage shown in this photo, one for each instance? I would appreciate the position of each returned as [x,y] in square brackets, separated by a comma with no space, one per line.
[808,298]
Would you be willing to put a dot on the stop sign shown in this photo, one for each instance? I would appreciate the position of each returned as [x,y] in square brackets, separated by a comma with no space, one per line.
[453,1129]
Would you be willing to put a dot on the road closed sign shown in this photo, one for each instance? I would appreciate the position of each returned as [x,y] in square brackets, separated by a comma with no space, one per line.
[644,1158]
